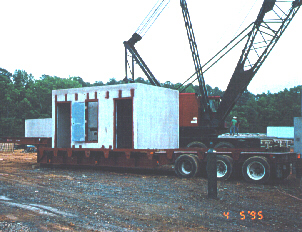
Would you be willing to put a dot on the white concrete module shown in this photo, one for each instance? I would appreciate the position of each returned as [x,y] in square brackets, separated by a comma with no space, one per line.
[41,127]
[135,116]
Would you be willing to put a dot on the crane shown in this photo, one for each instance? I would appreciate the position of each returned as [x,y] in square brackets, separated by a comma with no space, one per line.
[129,46]
[262,35]
[143,28]
[137,36]
[272,20]
[198,68]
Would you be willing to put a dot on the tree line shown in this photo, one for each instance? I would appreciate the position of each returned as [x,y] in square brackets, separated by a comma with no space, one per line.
[23,97]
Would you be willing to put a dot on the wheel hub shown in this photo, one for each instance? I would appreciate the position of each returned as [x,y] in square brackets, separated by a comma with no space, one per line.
[256,170]
[186,167]
[221,169]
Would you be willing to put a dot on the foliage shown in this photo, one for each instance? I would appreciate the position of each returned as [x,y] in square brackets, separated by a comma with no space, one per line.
[257,112]
[23,97]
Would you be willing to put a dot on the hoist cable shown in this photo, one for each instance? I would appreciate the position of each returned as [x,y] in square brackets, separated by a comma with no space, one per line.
[129,67]
[148,21]
[246,16]
[155,19]
[242,33]
[147,18]
[151,17]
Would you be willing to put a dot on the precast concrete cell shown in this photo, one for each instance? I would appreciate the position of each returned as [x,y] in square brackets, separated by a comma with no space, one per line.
[38,127]
[136,116]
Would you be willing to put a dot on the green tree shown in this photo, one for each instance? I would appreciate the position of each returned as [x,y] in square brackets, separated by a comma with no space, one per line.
[81,81]
[113,81]
[142,80]
[98,83]
[245,110]
[44,87]
[5,86]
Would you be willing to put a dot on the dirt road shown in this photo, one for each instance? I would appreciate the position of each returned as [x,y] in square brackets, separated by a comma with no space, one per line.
[68,199]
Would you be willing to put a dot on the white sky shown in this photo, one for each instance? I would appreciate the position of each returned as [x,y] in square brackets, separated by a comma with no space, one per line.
[85,38]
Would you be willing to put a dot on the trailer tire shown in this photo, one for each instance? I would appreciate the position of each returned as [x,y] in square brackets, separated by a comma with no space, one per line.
[197,144]
[256,170]
[224,145]
[224,167]
[186,166]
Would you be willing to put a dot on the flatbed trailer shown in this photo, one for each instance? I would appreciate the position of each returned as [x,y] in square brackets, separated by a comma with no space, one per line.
[36,141]
[256,165]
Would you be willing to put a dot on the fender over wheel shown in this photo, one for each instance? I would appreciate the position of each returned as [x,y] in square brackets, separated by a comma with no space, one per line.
[197,144]
[186,166]
[224,145]
[224,167]
[256,169]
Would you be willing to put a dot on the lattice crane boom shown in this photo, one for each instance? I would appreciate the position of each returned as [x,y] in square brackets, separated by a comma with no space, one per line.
[272,20]
[198,68]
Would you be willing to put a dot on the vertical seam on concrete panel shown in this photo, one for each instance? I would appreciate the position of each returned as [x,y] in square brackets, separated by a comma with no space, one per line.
[87,96]
[70,124]
[132,119]
[66,97]
[107,95]
[55,136]
[98,118]
[120,93]
[132,92]
[86,119]
[95,95]
[114,123]
[76,96]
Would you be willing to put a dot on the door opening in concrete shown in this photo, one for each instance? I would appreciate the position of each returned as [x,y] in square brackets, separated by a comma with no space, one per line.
[92,120]
[123,123]
[63,125]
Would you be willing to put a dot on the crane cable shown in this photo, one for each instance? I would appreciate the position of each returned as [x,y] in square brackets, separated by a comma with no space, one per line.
[235,37]
[246,16]
[233,43]
[151,17]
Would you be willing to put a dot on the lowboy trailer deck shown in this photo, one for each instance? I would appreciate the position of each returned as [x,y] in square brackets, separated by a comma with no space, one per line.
[258,165]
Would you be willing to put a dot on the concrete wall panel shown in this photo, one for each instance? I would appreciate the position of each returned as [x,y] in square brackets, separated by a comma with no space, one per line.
[157,117]
[38,127]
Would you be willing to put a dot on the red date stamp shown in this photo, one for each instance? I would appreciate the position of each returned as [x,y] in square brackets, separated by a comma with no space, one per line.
[252,215]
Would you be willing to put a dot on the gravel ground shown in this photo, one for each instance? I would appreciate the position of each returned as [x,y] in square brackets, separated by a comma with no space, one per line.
[69,199]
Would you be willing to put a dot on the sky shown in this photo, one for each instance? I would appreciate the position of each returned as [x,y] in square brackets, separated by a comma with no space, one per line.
[66,38]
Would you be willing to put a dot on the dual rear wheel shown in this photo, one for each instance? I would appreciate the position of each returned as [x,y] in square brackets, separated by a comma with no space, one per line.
[255,169]
[224,167]
[187,166]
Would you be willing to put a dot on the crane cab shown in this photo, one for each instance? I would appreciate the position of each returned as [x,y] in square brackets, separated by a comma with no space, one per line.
[189,109]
